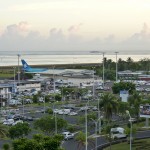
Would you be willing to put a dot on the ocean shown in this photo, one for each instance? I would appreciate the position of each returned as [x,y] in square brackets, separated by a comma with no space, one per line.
[46,58]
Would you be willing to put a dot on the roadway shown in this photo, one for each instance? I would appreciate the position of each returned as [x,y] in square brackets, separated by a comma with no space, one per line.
[73,145]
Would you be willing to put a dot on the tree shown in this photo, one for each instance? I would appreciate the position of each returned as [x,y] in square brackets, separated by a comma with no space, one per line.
[129,86]
[107,131]
[6,146]
[19,130]
[81,139]
[47,124]
[35,98]
[3,130]
[92,115]
[109,104]
[134,101]
[38,142]
[127,131]
[122,107]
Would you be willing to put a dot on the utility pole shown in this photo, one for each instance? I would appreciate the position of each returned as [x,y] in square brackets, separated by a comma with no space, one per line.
[99,123]
[93,84]
[86,128]
[18,72]
[103,70]
[55,124]
[116,67]
[14,79]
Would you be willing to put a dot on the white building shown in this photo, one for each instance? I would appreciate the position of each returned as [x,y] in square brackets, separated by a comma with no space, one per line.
[28,86]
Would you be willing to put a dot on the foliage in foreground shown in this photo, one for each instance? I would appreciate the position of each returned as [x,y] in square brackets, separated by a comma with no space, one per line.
[38,142]
[19,130]
[3,131]
[47,124]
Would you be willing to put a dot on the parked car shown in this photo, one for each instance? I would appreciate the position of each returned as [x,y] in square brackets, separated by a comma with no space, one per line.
[95,108]
[19,121]
[68,135]
[73,113]
[8,122]
[84,108]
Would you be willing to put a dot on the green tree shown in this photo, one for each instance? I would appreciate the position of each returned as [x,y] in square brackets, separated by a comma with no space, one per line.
[81,139]
[129,86]
[47,124]
[109,104]
[107,131]
[38,142]
[35,98]
[92,115]
[6,146]
[122,107]
[3,130]
[134,101]
[127,131]
[19,130]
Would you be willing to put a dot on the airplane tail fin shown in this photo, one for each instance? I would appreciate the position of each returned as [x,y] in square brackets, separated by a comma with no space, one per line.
[25,65]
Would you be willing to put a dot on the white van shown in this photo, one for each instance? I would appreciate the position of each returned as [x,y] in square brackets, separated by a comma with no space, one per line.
[118,133]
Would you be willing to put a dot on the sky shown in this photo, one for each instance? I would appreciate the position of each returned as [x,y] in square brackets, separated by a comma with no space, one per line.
[75,25]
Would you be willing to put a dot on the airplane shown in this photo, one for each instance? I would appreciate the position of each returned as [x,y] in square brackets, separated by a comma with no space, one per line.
[29,69]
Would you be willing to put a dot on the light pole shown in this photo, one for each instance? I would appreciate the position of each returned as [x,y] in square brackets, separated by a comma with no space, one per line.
[54,83]
[44,104]
[103,70]
[23,106]
[86,127]
[55,124]
[95,122]
[14,78]
[116,67]
[99,125]
[130,120]
[93,83]
[18,69]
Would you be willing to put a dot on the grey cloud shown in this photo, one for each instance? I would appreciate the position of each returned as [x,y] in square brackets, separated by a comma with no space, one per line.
[21,37]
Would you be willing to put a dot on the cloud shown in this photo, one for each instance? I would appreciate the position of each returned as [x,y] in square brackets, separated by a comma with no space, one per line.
[138,41]
[21,37]
[74,28]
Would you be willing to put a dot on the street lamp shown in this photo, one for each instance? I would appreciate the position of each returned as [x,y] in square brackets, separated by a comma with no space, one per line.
[18,68]
[55,124]
[86,127]
[54,82]
[130,120]
[103,70]
[54,113]
[116,67]
[99,125]
[96,123]
[14,78]
[93,83]
[44,104]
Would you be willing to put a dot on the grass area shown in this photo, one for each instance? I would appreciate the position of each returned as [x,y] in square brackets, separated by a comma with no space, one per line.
[6,75]
[143,144]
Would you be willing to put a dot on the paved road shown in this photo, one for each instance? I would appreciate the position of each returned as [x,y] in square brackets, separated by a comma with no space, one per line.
[73,145]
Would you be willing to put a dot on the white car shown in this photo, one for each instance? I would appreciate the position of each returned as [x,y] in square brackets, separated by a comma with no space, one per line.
[68,135]
[8,122]
[84,108]
[73,113]
[56,110]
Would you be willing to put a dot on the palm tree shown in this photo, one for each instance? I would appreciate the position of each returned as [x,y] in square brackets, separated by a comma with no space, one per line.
[134,101]
[109,104]
[3,130]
